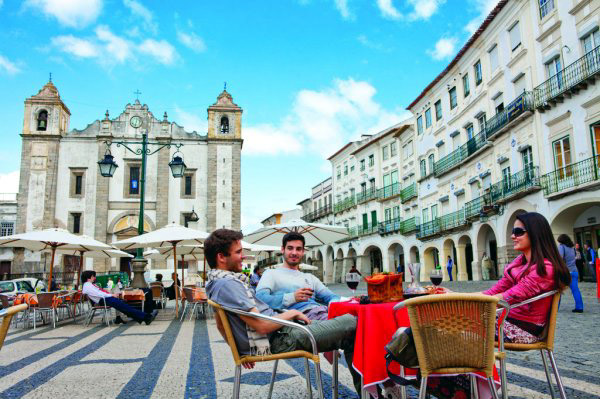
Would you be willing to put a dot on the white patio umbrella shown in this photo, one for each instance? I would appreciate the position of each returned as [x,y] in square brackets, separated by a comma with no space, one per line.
[185,252]
[103,254]
[315,234]
[39,240]
[305,266]
[172,234]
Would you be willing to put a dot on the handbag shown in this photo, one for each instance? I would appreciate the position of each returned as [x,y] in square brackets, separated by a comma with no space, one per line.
[401,349]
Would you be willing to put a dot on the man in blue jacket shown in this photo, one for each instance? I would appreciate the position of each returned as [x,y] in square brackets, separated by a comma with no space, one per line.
[286,287]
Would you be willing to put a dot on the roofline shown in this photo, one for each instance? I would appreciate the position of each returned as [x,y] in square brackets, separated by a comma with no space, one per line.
[395,130]
[340,150]
[488,20]
[304,200]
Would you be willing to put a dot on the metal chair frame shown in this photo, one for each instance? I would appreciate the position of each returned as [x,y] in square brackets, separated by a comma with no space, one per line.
[191,301]
[101,306]
[42,308]
[239,360]
[547,345]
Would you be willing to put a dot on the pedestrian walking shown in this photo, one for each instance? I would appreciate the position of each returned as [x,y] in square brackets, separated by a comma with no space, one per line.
[579,261]
[449,264]
[568,253]
[486,267]
[590,255]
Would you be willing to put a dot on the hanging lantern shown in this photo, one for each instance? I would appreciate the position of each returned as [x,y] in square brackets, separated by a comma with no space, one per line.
[177,166]
[107,165]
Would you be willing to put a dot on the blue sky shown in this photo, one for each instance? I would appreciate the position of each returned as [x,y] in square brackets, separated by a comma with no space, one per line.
[309,74]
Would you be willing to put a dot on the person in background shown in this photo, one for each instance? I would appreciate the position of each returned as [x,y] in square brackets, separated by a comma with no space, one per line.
[449,264]
[255,277]
[286,287]
[590,257]
[159,278]
[567,251]
[119,284]
[486,267]
[110,284]
[353,269]
[579,261]
[171,289]
[95,293]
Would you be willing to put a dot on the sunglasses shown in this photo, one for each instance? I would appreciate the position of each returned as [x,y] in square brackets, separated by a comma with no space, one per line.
[518,231]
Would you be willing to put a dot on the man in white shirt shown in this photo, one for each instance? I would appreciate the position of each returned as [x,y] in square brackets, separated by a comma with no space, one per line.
[96,293]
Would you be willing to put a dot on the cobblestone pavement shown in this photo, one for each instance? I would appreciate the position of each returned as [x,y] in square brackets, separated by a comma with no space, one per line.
[169,359]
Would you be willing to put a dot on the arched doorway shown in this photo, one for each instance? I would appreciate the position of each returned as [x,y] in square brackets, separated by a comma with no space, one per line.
[328,267]
[374,259]
[507,253]
[338,266]
[414,258]
[318,261]
[431,260]
[396,256]
[449,249]
[488,245]
[465,258]
[581,222]
[349,261]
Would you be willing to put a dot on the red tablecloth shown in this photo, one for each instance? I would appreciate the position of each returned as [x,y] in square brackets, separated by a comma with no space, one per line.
[376,325]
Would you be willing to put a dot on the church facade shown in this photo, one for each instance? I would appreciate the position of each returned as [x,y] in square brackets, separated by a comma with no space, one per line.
[61,185]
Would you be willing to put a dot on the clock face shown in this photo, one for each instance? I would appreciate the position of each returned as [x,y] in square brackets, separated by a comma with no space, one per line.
[135,122]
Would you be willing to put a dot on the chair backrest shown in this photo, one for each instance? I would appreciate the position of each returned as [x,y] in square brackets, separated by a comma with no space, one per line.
[156,292]
[221,315]
[5,303]
[7,315]
[45,299]
[453,333]
[551,326]
[189,294]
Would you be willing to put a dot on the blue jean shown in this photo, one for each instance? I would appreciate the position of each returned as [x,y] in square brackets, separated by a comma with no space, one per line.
[449,272]
[122,307]
[575,291]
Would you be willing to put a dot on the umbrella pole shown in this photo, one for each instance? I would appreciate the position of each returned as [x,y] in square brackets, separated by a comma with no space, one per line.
[79,271]
[51,266]
[175,281]
[182,276]
[204,276]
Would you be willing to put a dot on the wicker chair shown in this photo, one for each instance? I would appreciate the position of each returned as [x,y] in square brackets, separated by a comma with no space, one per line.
[546,345]
[220,314]
[7,315]
[454,334]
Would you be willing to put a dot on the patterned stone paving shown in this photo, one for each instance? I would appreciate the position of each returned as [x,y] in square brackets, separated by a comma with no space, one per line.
[169,359]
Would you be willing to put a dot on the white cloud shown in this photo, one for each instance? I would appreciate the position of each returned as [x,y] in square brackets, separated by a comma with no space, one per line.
[190,121]
[192,41]
[418,9]
[365,41]
[161,50]
[483,8]
[322,121]
[342,7]
[72,13]
[138,10]
[117,47]
[444,48]
[81,48]
[8,66]
[10,182]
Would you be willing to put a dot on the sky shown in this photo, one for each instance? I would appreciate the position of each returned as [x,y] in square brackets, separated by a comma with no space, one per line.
[311,75]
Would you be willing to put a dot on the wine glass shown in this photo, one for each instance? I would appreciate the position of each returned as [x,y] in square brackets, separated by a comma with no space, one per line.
[436,277]
[352,280]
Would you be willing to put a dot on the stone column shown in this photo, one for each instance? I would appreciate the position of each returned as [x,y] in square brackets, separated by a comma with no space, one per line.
[338,266]
[319,272]
[363,264]
[385,262]
[348,262]
[211,186]
[138,266]
[101,213]
[461,262]
[476,269]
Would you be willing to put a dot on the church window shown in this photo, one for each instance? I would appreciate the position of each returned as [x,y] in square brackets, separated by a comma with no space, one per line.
[75,222]
[224,125]
[77,183]
[42,120]
[134,180]
[188,184]
[7,228]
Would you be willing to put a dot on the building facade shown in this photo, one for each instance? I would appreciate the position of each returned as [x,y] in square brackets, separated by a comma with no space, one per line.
[511,125]
[61,186]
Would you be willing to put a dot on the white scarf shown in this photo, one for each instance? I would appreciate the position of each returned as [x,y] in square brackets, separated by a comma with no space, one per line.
[259,343]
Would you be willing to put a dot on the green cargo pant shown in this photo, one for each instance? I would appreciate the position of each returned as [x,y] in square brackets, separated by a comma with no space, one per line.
[337,333]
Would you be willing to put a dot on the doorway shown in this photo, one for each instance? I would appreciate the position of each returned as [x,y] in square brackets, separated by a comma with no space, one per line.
[469,260]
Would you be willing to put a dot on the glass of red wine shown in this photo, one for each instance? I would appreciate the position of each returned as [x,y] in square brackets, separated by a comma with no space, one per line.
[436,277]
[352,280]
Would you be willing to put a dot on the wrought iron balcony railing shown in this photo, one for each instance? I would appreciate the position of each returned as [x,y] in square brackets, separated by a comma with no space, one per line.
[572,176]
[518,183]
[363,230]
[408,193]
[273,260]
[390,191]
[568,78]
[322,211]
[390,226]
[459,155]
[346,203]
[452,220]
[518,107]
[409,225]
[429,229]
[474,207]
[366,195]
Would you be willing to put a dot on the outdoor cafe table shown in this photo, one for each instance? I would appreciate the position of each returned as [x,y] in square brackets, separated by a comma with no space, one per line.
[376,323]
[133,296]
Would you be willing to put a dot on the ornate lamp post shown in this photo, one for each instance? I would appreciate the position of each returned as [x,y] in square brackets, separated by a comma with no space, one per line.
[108,167]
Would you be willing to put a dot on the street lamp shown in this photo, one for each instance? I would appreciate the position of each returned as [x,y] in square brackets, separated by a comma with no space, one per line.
[193,216]
[108,166]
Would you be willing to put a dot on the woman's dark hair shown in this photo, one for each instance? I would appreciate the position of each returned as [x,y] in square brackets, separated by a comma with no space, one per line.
[565,240]
[159,277]
[292,236]
[219,242]
[86,275]
[543,247]
[256,269]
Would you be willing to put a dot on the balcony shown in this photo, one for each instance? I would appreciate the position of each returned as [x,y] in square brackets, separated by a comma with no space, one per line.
[474,207]
[408,193]
[520,108]
[390,191]
[578,176]
[516,186]
[429,229]
[346,203]
[366,195]
[453,220]
[410,225]
[460,155]
[390,226]
[363,230]
[273,260]
[319,213]
[568,81]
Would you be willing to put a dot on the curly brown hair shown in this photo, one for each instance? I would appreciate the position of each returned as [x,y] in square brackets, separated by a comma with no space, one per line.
[219,242]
